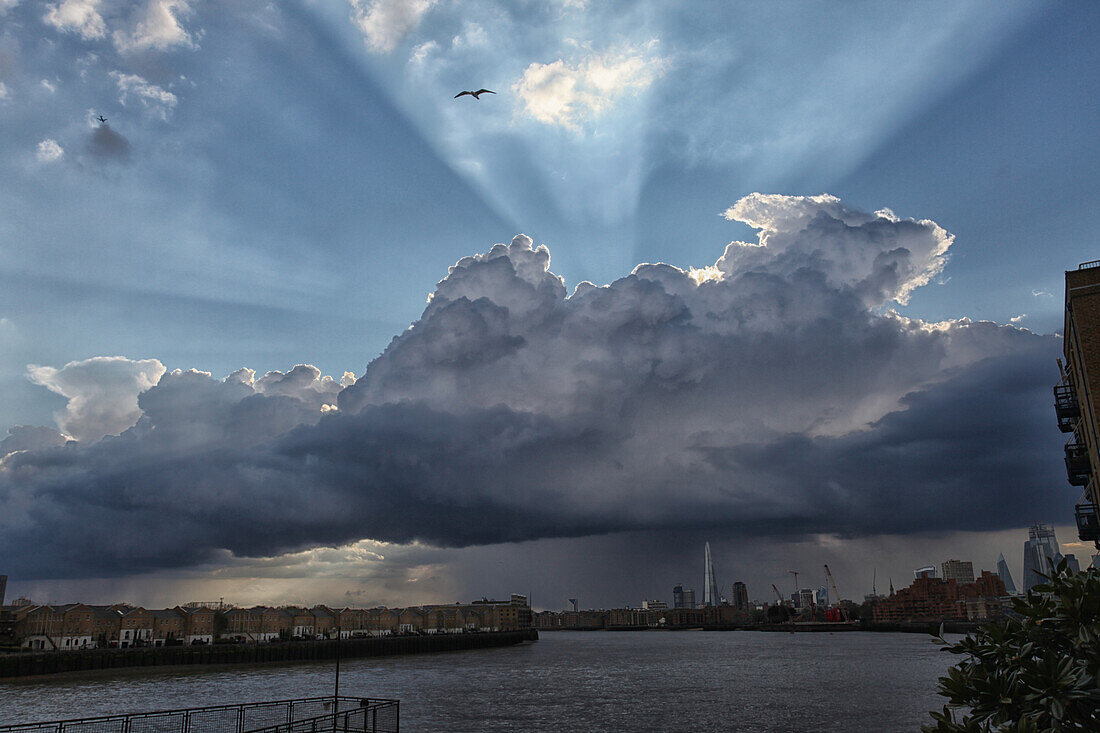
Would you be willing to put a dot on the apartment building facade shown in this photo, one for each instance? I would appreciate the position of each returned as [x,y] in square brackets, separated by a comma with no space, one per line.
[1077,391]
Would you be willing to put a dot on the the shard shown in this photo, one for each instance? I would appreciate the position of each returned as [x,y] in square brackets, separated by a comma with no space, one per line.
[710,585]
[1002,570]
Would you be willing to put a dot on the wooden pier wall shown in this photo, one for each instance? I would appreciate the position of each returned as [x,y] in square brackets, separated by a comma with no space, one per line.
[23,664]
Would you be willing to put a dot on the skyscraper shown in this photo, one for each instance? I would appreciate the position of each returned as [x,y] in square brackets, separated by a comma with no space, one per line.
[960,571]
[1040,550]
[740,596]
[682,598]
[1002,570]
[710,585]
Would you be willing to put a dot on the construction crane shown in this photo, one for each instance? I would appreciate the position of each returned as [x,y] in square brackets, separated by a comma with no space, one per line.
[837,614]
[795,574]
[778,597]
[832,582]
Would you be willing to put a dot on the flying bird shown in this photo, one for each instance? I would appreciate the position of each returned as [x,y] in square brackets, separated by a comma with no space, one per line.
[101,119]
[477,94]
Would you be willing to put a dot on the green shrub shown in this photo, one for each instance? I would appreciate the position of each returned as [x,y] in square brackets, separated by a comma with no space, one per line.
[1036,671]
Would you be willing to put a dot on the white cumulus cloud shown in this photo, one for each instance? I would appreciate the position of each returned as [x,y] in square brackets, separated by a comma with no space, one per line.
[77,16]
[156,100]
[48,151]
[385,22]
[102,393]
[567,95]
[159,28]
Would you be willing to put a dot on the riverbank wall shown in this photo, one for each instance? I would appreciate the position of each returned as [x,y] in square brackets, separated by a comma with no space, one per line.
[25,664]
[905,627]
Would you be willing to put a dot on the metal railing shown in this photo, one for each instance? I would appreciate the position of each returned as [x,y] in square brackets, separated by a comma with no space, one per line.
[374,716]
[240,718]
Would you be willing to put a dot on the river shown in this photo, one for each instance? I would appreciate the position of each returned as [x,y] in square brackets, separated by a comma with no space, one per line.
[581,681]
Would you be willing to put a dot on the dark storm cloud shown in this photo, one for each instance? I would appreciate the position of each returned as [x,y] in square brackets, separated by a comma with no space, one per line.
[27,437]
[105,145]
[769,394]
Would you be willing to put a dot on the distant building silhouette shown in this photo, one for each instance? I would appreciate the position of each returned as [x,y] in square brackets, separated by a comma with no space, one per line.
[928,571]
[1006,576]
[1071,562]
[1040,550]
[740,596]
[682,598]
[710,584]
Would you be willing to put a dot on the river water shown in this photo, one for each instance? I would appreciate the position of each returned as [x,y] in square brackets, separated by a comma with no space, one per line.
[576,681]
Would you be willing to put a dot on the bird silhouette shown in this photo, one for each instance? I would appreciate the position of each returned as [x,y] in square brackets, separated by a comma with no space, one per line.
[101,119]
[475,95]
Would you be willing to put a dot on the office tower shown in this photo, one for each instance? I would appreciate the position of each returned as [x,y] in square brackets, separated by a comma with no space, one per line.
[1040,550]
[710,585]
[806,597]
[1071,562]
[574,604]
[682,598]
[740,596]
[1076,393]
[1002,570]
[3,588]
[928,571]
[823,597]
[957,570]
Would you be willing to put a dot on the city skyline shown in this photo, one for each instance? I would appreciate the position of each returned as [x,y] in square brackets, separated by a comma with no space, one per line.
[757,589]
[279,318]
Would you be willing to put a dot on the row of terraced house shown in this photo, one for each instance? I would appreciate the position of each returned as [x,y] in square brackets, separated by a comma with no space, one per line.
[84,626]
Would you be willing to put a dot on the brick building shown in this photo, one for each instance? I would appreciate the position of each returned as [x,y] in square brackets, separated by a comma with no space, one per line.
[198,625]
[936,599]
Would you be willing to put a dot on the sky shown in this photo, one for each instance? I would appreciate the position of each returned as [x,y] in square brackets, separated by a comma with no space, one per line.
[296,325]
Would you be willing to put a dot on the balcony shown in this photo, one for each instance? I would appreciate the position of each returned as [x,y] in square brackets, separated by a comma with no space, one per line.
[1066,407]
[1088,522]
[1077,464]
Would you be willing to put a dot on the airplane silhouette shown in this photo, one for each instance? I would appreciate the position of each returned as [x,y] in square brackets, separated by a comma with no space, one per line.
[475,95]
[101,119]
